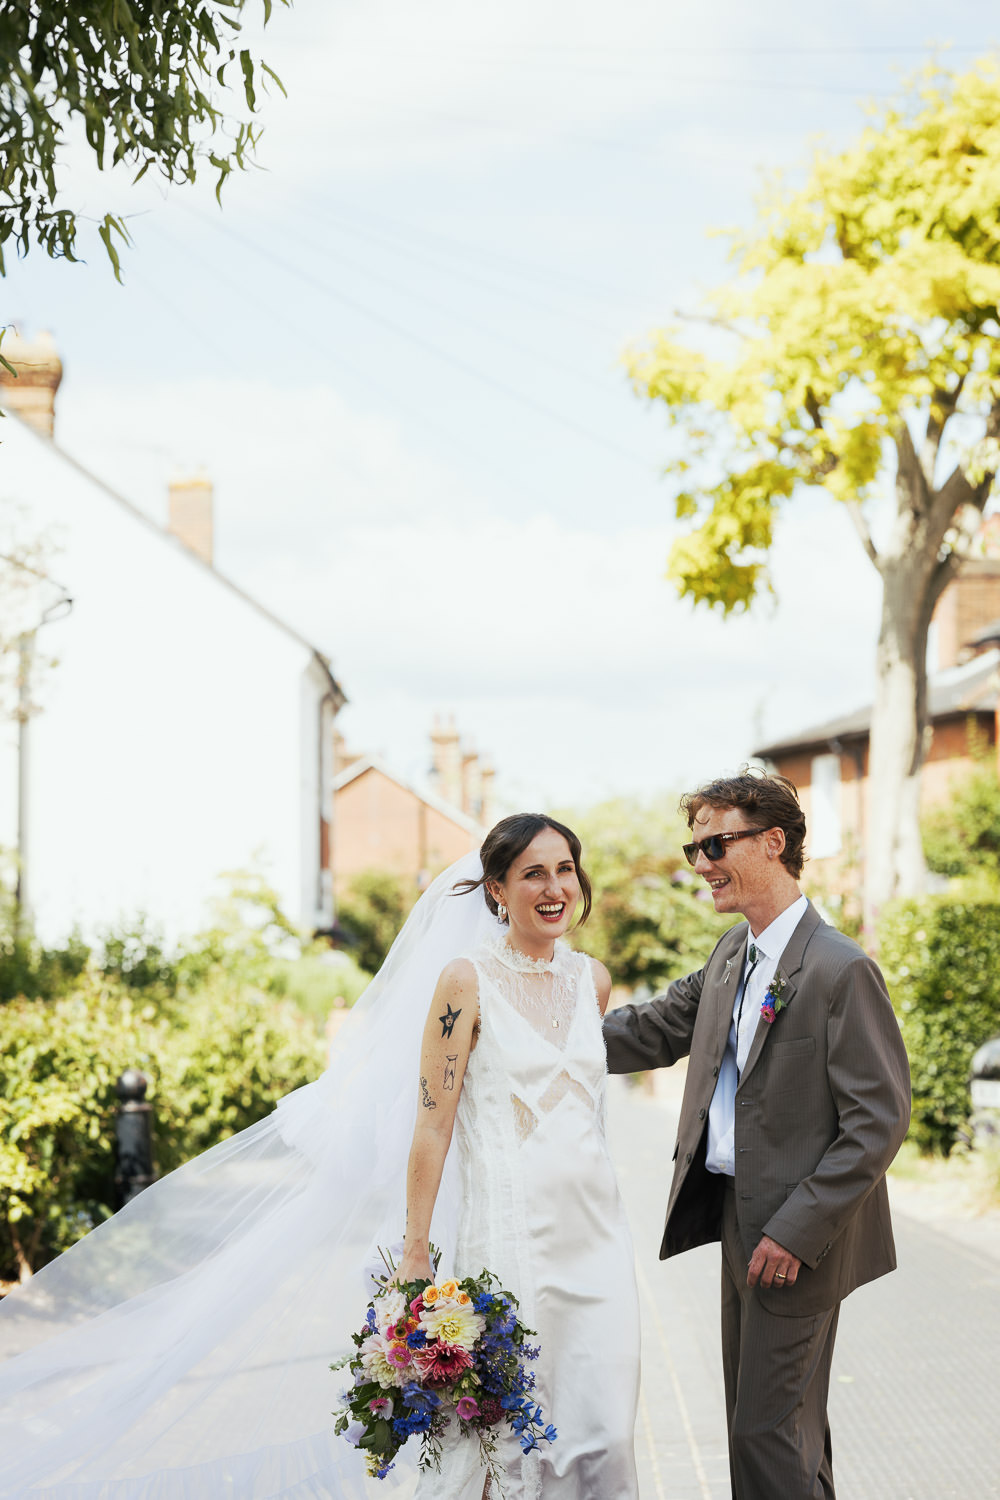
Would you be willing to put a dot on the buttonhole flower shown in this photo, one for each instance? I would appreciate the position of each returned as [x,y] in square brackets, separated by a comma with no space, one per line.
[772,1002]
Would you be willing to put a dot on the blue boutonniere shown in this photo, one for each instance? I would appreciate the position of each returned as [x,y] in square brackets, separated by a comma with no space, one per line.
[772,1001]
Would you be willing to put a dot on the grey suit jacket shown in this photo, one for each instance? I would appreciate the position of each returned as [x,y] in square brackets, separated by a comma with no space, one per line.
[822,1107]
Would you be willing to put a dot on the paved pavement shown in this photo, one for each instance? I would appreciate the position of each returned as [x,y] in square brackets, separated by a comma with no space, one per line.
[915,1403]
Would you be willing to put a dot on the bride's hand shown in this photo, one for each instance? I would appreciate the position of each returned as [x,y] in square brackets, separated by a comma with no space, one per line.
[414,1266]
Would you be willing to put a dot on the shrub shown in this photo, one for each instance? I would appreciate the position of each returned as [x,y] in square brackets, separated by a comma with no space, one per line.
[372,910]
[218,1062]
[58,1064]
[963,836]
[939,959]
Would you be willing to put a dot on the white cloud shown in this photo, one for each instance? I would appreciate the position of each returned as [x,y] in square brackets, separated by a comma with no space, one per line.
[559,647]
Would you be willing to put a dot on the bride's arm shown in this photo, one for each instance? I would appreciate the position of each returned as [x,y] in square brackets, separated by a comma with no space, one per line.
[444,1054]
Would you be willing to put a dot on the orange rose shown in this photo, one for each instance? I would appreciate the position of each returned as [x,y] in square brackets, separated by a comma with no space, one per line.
[447,1289]
[430,1295]
[463,1299]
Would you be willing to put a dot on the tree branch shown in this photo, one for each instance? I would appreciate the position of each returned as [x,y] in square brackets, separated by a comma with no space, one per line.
[861,526]
[943,404]
[723,323]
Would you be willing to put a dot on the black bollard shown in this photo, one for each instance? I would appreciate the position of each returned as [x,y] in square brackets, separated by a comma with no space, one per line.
[133,1137]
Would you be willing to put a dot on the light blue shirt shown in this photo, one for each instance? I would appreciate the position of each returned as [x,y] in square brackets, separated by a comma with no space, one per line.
[770,945]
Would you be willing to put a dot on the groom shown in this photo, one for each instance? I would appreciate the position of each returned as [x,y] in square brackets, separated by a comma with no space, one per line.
[796,1101]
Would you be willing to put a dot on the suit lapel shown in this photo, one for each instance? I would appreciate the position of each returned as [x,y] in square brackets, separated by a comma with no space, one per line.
[788,966]
[725,987]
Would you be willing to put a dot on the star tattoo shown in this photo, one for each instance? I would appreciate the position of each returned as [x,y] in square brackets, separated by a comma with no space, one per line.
[448,1021]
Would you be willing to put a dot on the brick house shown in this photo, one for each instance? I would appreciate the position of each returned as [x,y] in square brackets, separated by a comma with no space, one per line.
[828,762]
[386,823]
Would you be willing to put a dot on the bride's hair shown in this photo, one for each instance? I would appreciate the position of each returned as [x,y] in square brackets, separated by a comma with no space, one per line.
[511,837]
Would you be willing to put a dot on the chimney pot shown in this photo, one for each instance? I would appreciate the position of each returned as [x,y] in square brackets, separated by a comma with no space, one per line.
[31,394]
[191,514]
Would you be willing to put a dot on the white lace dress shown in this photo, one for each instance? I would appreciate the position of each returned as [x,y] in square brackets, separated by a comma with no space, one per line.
[541,1209]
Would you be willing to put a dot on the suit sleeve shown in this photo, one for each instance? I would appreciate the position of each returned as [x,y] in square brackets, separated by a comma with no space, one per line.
[657,1033]
[869,1078]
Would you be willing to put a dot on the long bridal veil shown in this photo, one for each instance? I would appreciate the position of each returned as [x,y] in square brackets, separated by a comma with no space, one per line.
[181,1350]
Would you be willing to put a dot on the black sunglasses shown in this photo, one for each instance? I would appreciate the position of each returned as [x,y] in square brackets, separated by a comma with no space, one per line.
[714,847]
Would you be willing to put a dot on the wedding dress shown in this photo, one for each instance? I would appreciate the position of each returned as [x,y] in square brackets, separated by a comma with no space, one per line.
[180,1351]
[540,1208]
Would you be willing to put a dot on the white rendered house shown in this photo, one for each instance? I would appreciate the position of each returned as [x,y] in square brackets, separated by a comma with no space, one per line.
[183,731]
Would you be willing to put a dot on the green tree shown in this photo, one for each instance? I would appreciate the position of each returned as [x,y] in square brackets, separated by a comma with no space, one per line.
[649,925]
[962,837]
[855,351]
[142,82]
[372,910]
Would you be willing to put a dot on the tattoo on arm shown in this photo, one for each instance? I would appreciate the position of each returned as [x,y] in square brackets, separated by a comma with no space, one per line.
[428,1102]
[448,1021]
[449,1070]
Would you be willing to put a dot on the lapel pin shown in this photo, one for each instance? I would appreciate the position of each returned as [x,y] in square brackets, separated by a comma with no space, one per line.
[729,970]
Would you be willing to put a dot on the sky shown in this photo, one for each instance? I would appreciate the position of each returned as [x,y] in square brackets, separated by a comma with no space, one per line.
[397,350]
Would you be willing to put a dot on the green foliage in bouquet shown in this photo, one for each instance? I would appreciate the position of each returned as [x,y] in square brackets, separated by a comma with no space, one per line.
[939,959]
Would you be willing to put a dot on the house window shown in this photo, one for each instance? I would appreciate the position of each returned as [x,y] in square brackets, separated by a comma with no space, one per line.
[825,833]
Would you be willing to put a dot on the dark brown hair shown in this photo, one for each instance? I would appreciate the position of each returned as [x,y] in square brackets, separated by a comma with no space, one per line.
[769,801]
[511,837]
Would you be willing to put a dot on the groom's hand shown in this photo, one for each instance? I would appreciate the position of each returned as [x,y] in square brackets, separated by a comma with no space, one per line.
[772,1265]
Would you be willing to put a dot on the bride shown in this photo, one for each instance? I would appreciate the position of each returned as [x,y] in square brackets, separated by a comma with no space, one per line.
[180,1351]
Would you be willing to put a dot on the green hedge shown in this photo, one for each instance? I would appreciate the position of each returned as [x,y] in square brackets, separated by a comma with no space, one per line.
[939,956]
[216,1062]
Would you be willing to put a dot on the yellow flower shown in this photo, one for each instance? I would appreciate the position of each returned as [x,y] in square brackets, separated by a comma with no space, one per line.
[430,1295]
[453,1324]
[447,1289]
[463,1299]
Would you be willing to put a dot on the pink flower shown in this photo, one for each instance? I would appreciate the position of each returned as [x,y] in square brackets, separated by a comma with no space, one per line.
[398,1355]
[442,1364]
[467,1408]
[768,1012]
[417,1305]
[381,1406]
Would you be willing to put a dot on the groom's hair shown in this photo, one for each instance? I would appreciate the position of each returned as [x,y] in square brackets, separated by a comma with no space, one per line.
[769,801]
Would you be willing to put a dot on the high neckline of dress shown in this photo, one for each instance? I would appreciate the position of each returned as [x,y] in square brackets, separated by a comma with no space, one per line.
[523,963]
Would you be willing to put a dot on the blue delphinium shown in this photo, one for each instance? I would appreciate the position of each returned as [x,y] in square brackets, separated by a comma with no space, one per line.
[420,1398]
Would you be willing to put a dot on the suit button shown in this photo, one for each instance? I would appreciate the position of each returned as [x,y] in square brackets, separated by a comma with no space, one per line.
[715,1072]
[687,1159]
[701,1114]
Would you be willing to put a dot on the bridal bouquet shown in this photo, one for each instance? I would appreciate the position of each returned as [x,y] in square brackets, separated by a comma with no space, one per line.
[427,1351]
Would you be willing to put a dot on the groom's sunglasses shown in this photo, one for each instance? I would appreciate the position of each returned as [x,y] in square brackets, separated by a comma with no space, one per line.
[714,847]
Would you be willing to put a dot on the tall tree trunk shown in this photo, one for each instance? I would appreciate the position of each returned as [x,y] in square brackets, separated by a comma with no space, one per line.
[916,564]
[894,856]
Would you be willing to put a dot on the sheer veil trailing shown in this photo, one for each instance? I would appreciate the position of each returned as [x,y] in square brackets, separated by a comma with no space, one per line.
[181,1350]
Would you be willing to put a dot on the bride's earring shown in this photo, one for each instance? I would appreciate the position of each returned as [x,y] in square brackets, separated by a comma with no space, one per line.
[501,912]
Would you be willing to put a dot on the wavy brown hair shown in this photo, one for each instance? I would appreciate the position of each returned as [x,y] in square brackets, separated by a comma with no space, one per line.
[511,837]
[769,801]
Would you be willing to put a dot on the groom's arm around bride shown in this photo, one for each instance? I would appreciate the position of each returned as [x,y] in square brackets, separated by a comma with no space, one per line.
[795,1103]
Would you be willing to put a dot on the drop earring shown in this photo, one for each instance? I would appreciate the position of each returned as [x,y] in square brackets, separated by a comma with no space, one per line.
[501,912]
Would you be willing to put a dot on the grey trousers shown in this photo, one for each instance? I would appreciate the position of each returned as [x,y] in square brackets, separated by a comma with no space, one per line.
[777,1374]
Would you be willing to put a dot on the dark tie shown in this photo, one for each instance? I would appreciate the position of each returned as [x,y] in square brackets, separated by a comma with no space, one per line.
[753,956]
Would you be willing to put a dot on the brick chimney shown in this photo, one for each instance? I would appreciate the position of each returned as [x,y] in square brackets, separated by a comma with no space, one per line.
[31,395]
[190,516]
[472,784]
[446,769]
